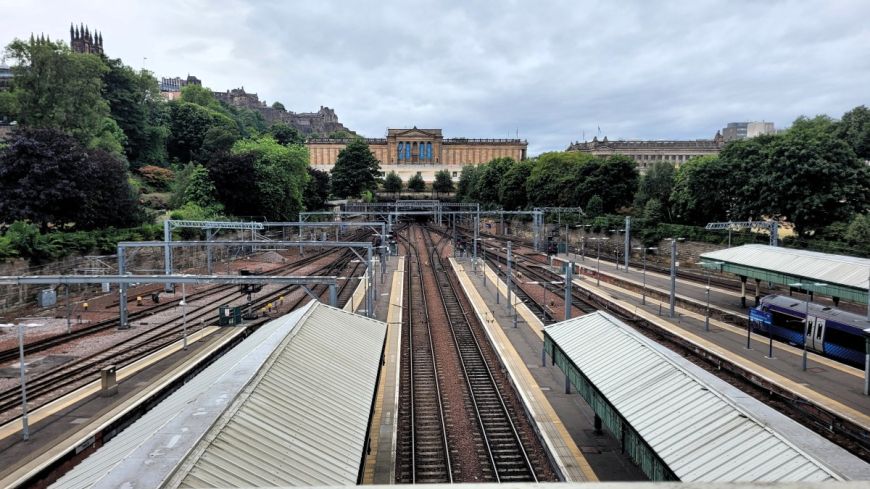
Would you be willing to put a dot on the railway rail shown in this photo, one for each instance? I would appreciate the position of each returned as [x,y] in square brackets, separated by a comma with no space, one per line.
[35,346]
[44,388]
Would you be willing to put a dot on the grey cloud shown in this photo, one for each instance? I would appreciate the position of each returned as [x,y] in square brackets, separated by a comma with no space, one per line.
[551,69]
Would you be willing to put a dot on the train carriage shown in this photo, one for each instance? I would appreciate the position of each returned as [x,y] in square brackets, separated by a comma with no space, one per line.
[832,332]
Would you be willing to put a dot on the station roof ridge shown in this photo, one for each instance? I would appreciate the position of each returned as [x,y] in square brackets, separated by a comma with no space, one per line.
[289,405]
[847,275]
[693,427]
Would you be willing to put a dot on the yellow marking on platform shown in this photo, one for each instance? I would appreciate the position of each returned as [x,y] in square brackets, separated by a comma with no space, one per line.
[737,330]
[82,393]
[391,356]
[571,461]
[768,375]
[82,435]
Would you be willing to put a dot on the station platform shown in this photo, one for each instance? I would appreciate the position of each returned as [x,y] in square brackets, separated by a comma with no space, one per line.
[564,422]
[381,460]
[830,385]
[77,423]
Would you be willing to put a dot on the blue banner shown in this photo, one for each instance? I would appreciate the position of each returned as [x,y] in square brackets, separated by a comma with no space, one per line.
[759,316]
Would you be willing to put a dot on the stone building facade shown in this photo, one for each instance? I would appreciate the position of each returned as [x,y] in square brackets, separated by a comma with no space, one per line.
[645,153]
[743,130]
[421,151]
[82,40]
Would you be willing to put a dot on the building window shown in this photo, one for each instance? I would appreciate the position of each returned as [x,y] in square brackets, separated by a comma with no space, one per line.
[401,146]
[455,174]
[407,151]
[429,151]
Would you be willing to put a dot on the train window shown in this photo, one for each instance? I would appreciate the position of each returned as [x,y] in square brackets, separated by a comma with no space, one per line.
[844,339]
[819,329]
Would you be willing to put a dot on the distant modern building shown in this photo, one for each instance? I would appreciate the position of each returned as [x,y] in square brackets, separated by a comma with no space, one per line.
[83,41]
[742,130]
[645,153]
[170,88]
[420,151]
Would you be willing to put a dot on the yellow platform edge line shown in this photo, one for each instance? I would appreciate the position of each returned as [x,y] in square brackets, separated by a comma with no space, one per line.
[809,394]
[539,407]
[21,474]
[394,342]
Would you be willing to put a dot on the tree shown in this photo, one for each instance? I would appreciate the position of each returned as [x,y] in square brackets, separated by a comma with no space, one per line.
[218,139]
[595,206]
[188,125]
[134,100]
[200,95]
[235,182]
[281,175]
[613,178]
[806,175]
[703,191]
[443,182]
[278,106]
[467,188]
[489,179]
[58,89]
[512,188]
[854,128]
[355,170]
[859,230]
[392,183]
[200,189]
[285,134]
[653,211]
[47,177]
[317,189]
[658,183]
[416,183]
[555,178]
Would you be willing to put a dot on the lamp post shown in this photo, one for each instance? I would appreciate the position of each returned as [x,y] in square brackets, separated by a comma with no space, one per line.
[673,297]
[707,266]
[585,228]
[616,245]
[24,425]
[598,265]
[644,249]
[806,287]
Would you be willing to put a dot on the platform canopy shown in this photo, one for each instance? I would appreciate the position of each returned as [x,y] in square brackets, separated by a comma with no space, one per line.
[845,277]
[674,419]
[288,406]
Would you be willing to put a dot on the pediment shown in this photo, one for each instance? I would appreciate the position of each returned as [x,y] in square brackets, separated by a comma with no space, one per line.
[415,133]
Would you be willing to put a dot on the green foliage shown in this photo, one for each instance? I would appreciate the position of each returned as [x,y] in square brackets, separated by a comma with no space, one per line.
[859,230]
[9,106]
[200,95]
[416,183]
[316,190]
[285,134]
[179,184]
[443,182]
[195,212]
[235,180]
[653,211]
[23,239]
[552,179]
[58,89]
[188,124]
[467,189]
[512,188]
[368,197]
[200,190]
[488,180]
[595,206]
[135,104]
[281,175]
[355,170]
[278,106]
[701,191]
[854,128]
[392,183]
[217,140]
[658,183]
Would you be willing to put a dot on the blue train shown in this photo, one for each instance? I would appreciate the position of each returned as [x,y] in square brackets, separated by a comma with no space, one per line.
[832,332]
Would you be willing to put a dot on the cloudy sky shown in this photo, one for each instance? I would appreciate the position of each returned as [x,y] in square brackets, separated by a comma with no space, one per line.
[547,70]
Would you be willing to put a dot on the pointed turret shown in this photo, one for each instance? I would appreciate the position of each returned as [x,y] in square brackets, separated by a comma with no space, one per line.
[71,36]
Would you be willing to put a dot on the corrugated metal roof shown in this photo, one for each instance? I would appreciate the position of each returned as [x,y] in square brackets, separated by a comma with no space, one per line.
[848,271]
[320,409]
[304,419]
[698,433]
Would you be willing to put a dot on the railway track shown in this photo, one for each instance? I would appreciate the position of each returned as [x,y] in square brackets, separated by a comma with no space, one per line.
[43,389]
[42,344]
[502,441]
[427,443]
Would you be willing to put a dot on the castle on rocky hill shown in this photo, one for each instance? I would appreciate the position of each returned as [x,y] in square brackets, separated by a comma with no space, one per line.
[324,121]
